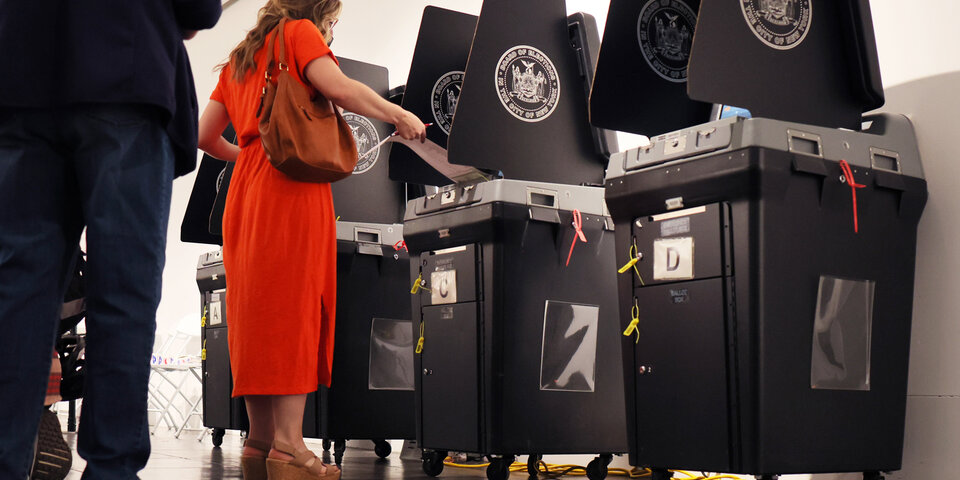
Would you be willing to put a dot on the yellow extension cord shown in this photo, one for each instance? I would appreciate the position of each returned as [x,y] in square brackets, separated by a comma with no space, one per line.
[580,471]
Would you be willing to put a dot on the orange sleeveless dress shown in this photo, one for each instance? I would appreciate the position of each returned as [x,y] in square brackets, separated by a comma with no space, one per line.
[279,247]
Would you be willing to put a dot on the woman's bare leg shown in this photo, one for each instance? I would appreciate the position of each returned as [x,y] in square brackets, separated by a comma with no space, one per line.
[260,413]
[288,423]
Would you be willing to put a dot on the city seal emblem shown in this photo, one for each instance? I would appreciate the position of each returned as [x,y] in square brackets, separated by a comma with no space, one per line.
[446,92]
[781,24]
[665,31]
[527,83]
[366,136]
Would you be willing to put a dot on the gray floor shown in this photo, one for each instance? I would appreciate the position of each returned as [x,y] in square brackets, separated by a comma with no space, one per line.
[187,459]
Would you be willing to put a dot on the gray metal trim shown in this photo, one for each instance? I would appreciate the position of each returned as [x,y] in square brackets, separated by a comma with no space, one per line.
[210,258]
[879,152]
[888,133]
[589,200]
[389,234]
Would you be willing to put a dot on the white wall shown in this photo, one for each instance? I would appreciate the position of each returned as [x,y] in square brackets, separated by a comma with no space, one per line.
[915,39]
[933,391]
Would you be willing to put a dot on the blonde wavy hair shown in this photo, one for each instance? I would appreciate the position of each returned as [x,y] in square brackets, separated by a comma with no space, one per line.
[320,12]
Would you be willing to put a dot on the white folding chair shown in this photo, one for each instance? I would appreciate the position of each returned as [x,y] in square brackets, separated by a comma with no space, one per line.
[175,374]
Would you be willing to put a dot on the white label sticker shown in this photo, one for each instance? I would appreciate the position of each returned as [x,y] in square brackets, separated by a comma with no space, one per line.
[673,258]
[443,287]
[216,317]
[676,226]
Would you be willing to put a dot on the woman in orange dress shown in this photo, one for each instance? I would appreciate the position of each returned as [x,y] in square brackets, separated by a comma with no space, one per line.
[279,238]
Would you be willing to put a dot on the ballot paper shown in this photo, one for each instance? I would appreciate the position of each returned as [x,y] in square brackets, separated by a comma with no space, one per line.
[436,157]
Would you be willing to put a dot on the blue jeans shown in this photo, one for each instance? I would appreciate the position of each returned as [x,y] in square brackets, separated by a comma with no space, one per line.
[108,168]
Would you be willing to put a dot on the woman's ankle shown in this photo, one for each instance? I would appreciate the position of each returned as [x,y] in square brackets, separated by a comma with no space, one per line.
[278,455]
[286,448]
[256,448]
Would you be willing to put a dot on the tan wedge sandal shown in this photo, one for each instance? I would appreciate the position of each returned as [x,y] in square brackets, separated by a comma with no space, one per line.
[304,466]
[255,467]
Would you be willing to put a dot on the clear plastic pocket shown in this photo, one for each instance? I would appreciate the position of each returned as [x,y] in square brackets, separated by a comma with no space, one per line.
[568,359]
[841,334]
[391,355]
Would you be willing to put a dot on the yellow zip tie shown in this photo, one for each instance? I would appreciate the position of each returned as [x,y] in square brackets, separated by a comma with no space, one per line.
[418,284]
[203,319]
[338,218]
[635,313]
[420,341]
[203,352]
[631,263]
[634,258]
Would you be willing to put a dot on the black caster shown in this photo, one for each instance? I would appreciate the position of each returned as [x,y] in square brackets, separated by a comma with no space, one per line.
[433,462]
[326,445]
[872,476]
[339,446]
[217,436]
[597,468]
[660,474]
[382,448]
[533,465]
[499,468]
[768,477]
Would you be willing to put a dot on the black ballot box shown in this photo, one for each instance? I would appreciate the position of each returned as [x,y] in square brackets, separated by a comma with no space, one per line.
[372,305]
[767,264]
[514,310]
[767,293]
[371,392]
[517,323]
[221,412]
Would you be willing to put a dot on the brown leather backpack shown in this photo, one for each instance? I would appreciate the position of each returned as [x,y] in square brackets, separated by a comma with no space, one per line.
[307,139]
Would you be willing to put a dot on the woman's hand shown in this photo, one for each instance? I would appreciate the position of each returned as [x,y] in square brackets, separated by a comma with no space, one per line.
[410,127]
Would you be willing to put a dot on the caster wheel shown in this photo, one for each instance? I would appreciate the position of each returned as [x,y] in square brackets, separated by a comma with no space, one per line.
[597,468]
[499,468]
[339,446]
[382,448]
[326,445]
[872,476]
[533,465]
[433,462]
[217,436]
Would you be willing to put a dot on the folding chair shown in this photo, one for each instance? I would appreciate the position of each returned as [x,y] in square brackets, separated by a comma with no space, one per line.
[173,373]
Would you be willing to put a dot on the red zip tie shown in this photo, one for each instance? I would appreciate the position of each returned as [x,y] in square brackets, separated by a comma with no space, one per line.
[578,226]
[848,175]
[401,244]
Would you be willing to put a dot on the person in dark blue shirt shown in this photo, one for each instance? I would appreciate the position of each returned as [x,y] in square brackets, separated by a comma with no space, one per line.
[98,114]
